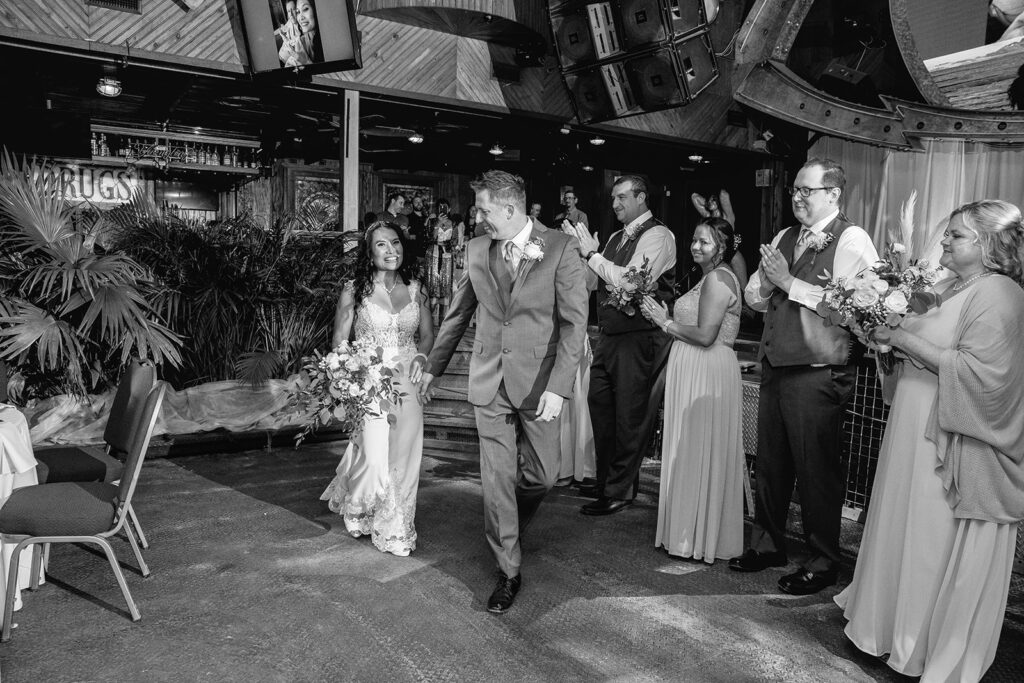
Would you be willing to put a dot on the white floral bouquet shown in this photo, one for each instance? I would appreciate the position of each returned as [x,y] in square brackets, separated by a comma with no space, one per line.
[880,295]
[636,284]
[347,384]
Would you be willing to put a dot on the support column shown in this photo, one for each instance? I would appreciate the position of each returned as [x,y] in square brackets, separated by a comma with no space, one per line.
[349,141]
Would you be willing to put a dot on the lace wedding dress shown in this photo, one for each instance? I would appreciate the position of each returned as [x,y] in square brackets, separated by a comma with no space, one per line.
[374,489]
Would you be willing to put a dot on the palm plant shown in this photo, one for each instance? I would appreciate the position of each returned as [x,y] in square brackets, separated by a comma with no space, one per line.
[250,301]
[69,310]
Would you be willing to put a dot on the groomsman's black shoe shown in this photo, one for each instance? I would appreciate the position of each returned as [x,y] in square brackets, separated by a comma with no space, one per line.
[605,506]
[753,561]
[504,593]
[590,491]
[803,582]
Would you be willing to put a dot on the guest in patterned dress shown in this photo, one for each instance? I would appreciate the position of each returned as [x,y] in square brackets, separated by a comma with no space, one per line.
[934,566]
[700,508]
[375,487]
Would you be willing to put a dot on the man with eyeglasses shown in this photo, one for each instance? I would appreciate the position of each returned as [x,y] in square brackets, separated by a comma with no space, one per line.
[631,352]
[572,213]
[806,380]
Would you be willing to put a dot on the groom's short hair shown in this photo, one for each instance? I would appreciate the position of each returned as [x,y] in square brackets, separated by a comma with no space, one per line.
[503,187]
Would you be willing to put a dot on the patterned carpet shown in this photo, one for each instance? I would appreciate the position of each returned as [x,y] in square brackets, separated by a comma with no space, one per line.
[255,580]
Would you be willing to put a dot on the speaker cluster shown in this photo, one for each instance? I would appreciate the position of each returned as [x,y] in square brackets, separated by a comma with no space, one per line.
[624,57]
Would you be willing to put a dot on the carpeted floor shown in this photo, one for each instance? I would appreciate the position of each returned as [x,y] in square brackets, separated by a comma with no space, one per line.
[255,580]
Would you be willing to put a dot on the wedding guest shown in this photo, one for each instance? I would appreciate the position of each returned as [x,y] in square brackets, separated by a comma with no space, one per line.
[393,210]
[631,351]
[934,565]
[806,381]
[416,231]
[572,213]
[700,505]
[375,486]
[535,209]
[720,206]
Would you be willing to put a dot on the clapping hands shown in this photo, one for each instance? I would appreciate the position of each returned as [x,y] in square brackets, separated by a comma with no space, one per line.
[588,242]
[654,310]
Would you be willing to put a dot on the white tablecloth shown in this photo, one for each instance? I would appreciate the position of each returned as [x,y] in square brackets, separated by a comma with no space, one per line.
[17,469]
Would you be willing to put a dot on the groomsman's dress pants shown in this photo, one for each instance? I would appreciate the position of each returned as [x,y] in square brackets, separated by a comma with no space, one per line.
[626,386]
[799,437]
[514,480]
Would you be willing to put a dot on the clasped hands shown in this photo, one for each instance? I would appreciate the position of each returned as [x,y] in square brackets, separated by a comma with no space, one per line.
[654,310]
[774,268]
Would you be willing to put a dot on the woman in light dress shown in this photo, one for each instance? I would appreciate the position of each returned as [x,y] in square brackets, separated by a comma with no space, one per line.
[375,487]
[700,508]
[933,571]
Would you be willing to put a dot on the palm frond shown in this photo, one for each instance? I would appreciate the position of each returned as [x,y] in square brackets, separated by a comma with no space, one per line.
[255,368]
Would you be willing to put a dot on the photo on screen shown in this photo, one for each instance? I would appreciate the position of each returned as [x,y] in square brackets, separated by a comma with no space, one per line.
[292,36]
[295,32]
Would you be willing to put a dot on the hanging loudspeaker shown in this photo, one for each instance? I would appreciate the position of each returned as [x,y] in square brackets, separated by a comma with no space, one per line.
[643,22]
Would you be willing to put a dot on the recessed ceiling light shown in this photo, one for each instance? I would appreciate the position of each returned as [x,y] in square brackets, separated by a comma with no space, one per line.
[564,130]
[108,87]
[696,158]
[415,138]
[496,150]
[597,140]
[588,167]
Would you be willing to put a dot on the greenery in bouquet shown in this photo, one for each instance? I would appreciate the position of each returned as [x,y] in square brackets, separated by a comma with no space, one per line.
[883,294]
[352,381]
[636,284]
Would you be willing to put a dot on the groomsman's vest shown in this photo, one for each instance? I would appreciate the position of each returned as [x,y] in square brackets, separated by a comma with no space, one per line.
[619,251]
[794,334]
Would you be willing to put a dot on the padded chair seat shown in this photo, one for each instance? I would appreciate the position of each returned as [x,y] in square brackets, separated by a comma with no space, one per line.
[77,463]
[64,509]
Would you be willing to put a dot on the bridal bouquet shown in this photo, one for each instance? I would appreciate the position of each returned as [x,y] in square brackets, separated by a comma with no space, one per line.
[347,384]
[636,284]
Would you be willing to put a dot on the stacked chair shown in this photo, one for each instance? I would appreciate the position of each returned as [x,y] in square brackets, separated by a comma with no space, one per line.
[92,463]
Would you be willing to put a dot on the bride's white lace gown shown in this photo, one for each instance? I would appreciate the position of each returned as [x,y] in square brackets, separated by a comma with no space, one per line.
[374,489]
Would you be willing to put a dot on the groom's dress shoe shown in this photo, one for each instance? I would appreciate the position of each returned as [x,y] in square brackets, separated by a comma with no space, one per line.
[504,593]
[605,506]
[753,561]
[590,491]
[803,582]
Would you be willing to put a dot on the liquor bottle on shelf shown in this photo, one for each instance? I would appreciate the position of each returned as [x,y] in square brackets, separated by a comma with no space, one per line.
[94,145]
[104,149]
[233,157]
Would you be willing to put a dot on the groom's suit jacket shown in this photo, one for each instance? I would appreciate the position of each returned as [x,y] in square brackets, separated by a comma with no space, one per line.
[528,333]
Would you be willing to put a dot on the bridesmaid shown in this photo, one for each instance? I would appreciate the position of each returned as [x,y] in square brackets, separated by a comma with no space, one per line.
[700,508]
[934,566]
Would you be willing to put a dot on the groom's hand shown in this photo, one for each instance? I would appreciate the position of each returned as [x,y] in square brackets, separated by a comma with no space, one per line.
[424,393]
[549,406]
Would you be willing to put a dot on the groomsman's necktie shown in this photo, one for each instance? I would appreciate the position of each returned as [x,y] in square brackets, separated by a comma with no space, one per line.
[802,242]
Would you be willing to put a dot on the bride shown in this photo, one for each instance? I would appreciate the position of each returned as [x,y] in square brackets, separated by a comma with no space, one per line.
[375,486]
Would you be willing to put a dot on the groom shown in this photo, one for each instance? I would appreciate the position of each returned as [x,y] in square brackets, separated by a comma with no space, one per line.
[526,286]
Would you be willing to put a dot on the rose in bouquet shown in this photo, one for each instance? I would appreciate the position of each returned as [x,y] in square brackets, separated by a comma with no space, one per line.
[881,295]
[636,284]
[347,384]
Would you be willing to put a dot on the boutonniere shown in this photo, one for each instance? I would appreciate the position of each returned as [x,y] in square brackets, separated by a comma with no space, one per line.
[533,250]
[820,241]
[630,232]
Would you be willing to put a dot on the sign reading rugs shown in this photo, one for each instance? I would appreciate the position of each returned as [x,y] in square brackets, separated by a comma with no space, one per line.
[95,185]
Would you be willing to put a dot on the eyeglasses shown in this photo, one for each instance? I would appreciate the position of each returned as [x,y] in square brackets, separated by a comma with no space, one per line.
[805,192]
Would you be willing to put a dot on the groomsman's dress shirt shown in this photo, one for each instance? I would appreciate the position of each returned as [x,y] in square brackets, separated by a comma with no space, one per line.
[518,245]
[657,243]
[854,253]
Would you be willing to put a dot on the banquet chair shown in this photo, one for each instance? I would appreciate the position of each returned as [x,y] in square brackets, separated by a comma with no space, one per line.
[78,512]
[92,463]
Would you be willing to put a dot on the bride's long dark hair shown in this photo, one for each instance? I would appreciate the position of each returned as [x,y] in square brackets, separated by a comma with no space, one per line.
[364,271]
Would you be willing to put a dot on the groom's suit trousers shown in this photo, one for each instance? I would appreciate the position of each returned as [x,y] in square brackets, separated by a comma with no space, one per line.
[514,480]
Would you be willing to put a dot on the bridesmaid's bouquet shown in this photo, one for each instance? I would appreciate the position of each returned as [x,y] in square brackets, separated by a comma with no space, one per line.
[347,384]
[636,284]
[883,294]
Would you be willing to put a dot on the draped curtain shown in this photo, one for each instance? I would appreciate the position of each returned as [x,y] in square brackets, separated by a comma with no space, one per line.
[947,174]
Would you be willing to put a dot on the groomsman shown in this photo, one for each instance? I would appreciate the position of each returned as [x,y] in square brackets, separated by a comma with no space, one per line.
[631,352]
[806,380]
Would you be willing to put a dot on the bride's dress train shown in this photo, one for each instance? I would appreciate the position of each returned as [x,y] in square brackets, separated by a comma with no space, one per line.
[374,489]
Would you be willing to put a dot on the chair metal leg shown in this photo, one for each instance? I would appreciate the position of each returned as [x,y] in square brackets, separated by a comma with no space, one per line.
[118,575]
[138,527]
[135,549]
[12,588]
[37,553]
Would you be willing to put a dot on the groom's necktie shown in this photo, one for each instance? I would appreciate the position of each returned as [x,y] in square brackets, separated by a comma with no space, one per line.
[510,250]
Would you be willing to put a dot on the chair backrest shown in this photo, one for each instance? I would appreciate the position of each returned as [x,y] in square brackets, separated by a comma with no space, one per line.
[136,384]
[140,444]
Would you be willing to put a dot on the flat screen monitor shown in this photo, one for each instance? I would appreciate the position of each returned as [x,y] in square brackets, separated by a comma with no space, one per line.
[313,36]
